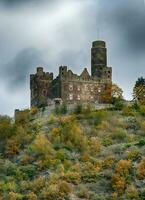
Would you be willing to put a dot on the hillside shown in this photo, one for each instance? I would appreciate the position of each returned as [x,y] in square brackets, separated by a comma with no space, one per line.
[96,155]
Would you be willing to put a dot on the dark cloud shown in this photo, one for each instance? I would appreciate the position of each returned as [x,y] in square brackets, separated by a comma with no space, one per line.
[17,71]
[127,19]
[17,3]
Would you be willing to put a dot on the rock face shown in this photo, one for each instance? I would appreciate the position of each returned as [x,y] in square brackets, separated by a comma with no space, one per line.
[73,88]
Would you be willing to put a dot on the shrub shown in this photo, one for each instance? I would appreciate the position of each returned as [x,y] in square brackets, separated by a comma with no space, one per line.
[83,192]
[57,191]
[72,177]
[142,110]
[12,147]
[121,176]
[7,129]
[78,109]
[119,135]
[141,142]
[107,141]
[31,196]
[133,154]
[132,193]
[128,111]
[33,110]
[141,170]
[118,183]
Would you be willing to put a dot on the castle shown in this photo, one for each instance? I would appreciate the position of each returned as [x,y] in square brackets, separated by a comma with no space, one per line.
[71,88]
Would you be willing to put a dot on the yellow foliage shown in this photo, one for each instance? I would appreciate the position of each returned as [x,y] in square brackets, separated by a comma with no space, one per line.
[25,159]
[94,145]
[12,147]
[33,110]
[118,183]
[132,193]
[72,177]
[108,162]
[36,184]
[64,187]
[114,196]
[123,167]
[85,157]
[32,196]
[122,170]
[141,170]
[56,191]
[12,196]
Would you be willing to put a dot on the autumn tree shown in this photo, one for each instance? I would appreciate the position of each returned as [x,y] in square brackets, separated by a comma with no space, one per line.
[139,91]
[117,97]
[117,92]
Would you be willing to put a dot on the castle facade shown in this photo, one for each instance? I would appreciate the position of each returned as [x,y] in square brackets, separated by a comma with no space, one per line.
[72,88]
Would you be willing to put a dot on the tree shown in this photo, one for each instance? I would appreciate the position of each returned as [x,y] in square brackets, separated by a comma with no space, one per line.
[117,97]
[139,91]
[117,92]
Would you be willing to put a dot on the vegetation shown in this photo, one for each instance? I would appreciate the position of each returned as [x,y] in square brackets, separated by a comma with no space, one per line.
[85,155]
[88,155]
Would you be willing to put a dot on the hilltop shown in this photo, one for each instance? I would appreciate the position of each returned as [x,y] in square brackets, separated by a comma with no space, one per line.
[96,155]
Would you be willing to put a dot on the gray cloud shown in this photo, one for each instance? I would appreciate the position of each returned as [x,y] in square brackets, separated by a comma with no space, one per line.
[20,67]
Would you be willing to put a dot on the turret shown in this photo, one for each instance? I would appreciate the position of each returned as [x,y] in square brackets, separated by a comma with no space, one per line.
[98,58]
[62,71]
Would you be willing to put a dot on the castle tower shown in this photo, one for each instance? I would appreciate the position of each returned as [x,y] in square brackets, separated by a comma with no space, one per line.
[39,85]
[98,58]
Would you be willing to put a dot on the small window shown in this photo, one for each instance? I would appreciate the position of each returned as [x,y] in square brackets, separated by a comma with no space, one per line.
[99,90]
[92,89]
[86,88]
[78,97]
[70,87]
[79,88]
[70,96]
[44,92]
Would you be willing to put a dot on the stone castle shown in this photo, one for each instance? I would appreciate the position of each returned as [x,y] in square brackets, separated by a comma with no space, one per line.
[71,88]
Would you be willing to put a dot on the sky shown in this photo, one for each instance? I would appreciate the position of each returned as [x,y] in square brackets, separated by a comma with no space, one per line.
[51,33]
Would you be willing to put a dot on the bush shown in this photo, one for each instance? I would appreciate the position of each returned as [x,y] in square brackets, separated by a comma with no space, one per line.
[119,135]
[128,111]
[78,109]
[142,110]
[132,193]
[7,129]
[141,142]
[72,177]
[61,109]
[141,170]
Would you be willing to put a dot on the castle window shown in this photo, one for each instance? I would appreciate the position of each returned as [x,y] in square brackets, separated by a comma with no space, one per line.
[86,88]
[44,92]
[70,87]
[92,89]
[99,90]
[70,96]
[78,97]
[79,88]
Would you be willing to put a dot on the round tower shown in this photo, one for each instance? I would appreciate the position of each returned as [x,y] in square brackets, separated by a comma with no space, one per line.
[98,58]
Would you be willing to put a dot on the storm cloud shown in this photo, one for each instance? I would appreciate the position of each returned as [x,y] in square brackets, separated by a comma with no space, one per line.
[53,33]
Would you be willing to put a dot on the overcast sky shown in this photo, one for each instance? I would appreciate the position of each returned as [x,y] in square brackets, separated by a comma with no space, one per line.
[51,33]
